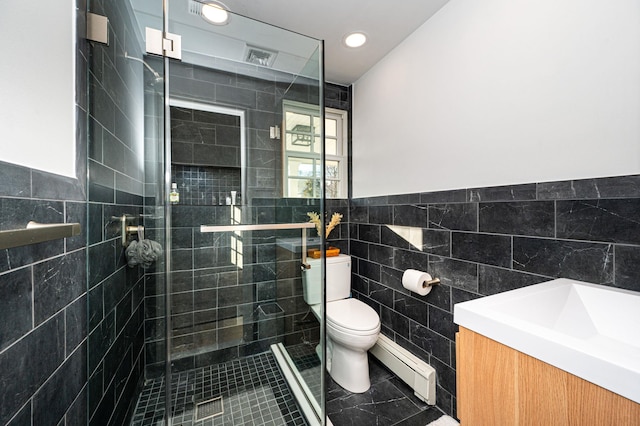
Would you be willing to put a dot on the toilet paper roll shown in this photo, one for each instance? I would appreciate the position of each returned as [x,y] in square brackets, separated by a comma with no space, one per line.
[415,281]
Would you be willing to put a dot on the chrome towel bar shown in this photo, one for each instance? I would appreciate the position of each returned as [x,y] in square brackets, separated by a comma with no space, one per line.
[37,233]
[256,227]
[266,227]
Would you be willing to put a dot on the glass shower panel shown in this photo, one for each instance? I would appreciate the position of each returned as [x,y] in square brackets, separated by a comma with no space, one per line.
[125,307]
[236,301]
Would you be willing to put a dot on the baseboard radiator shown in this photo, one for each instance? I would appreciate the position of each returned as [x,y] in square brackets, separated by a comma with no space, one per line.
[411,369]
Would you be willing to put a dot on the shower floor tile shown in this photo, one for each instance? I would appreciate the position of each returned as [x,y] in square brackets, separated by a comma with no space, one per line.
[253,392]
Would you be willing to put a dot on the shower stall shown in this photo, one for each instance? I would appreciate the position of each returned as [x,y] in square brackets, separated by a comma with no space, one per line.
[189,122]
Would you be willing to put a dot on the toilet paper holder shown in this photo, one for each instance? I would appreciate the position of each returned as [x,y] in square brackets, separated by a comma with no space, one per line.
[431,283]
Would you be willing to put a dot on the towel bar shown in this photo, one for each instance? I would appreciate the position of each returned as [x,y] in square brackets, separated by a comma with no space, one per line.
[267,227]
[37,233]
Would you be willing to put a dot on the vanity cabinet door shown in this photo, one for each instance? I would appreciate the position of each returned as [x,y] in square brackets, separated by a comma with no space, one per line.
[485,381]
[499,386]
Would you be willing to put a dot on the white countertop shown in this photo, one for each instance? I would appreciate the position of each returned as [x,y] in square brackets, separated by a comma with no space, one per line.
[589,330]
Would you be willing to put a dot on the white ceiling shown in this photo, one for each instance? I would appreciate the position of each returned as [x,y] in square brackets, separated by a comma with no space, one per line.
[386,24]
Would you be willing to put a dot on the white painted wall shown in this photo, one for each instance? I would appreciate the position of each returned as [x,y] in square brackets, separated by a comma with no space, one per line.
[498,92]
[37,85]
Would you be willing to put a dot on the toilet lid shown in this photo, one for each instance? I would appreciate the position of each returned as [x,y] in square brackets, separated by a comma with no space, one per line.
[352,314]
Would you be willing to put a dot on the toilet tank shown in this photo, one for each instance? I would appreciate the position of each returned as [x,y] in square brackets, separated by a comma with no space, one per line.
[338,279]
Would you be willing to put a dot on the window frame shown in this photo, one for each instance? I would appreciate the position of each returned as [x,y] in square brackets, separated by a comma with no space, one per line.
[341,156]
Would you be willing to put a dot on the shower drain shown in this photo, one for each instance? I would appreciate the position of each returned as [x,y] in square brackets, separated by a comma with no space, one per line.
[208,409]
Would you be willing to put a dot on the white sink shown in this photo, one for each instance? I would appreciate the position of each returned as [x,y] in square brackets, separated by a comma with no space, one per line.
[588,330]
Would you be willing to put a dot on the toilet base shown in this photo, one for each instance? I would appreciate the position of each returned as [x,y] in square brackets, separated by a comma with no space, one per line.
[350,369]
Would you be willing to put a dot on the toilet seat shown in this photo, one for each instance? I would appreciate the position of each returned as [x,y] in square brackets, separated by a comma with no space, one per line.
[352,316]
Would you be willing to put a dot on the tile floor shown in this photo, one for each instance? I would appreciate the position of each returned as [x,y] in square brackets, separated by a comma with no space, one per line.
[388,402]
[253,392]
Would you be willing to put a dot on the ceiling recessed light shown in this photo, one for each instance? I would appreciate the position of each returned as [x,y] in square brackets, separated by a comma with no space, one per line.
[355,39]
[216,13]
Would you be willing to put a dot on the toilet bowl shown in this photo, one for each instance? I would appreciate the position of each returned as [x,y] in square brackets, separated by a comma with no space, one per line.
[352,329]
[353,326]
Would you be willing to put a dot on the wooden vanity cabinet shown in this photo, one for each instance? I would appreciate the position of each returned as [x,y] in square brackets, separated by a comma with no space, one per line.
[499,386]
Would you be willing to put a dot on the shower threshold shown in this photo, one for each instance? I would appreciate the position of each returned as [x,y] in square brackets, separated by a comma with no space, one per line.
[303,395]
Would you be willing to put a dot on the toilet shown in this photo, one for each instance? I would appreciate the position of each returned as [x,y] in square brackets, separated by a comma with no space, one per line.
[352,326]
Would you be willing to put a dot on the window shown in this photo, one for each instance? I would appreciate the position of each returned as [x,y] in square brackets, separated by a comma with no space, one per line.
[303,149]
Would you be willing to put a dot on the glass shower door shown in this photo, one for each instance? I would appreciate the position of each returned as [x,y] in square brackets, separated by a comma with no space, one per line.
[234,291]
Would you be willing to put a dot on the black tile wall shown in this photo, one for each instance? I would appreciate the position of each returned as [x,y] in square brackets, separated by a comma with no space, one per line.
[483,241]
[115,341]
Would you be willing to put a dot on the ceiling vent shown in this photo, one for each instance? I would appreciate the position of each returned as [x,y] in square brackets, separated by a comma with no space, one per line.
[259,56]
[195,8]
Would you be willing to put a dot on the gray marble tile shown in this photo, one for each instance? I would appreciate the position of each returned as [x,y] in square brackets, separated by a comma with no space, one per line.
[589,262]
[398,323]
[608,187]
[52,400]
[16,180]
[493,280]
[482,248]
[360,249]
[392,278]
[410,215]
[404,199]
[430,341]
[358,214]
[454,273]
[436,242]
[627,271]
[405,259]
[370,233]
[503,193]
[459,296]
[381,254]
[381,294]
[439,296]
[382,215]
[75,324]
[411,307]
[369,270]
[16,303]
[23,369]
[453,196]
[23,418]
[441,322]
[459,217]
[534,218]
[389,235]
[445,374]
[615,220]
[382,404]
[58,282]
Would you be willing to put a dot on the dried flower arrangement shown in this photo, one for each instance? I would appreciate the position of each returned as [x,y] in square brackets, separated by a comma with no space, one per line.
[315,219]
